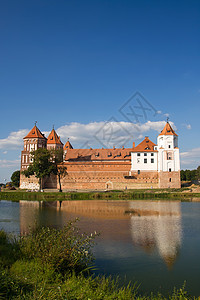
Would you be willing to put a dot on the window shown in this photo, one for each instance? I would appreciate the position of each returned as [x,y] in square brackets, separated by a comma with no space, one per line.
[152,160]
[169,146]
[138,172]
[152,154]
[145,154]
[138,160]
[138,154]
[170,180]
[170,169]
[145,160]
[169,156]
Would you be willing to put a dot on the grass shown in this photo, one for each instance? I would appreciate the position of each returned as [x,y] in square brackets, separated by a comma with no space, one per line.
[173,194]
[56,264]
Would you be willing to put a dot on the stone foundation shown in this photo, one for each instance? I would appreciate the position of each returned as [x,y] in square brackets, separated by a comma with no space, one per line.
[29,183]
[169,180]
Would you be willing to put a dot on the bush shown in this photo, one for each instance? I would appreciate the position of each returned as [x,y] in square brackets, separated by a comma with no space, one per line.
[63,249]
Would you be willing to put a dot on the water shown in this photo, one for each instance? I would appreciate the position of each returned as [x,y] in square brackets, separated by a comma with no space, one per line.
[156,243]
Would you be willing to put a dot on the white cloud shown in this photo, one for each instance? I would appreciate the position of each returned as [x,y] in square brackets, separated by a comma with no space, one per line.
[4,163]
[190,159]
[5,152]
[14,140]
[96,133]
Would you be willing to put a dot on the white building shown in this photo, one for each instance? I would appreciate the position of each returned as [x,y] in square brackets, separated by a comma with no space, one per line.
[162,160]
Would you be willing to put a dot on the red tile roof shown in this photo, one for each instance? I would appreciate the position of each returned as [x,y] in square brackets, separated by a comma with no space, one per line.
[98,154]
[35,133]
[53,138]
[145,146]
[167,130]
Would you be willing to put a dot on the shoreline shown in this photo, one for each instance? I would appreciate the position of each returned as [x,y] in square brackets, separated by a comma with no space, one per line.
[181,195]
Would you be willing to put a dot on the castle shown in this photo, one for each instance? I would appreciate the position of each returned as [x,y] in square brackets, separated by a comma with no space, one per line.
[146,165]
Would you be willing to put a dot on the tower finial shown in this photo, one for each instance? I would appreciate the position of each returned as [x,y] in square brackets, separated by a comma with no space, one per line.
[35,123]
[167,119]
[53,126]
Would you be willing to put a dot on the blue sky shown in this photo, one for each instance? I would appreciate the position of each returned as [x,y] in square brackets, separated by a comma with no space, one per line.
[74,64]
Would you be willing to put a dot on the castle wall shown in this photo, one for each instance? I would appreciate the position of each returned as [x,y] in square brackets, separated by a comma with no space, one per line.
[169,179]
[50,182]
[29,183]
[109,175]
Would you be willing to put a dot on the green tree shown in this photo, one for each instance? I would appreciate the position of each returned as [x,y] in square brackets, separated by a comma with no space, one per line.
[59,169]
[183,176]
[41,166]
[198,173]
[15,178]
[193,175]
[189,175]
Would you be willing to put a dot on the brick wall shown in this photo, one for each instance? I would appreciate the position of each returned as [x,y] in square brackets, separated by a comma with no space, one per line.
[106,175]
[169,179]
[50,182]
[29,183]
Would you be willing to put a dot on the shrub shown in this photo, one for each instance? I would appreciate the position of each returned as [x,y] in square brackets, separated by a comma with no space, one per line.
[63,249]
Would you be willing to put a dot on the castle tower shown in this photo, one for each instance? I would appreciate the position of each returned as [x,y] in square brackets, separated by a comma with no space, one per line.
[168,158]
[35,139]
[53,141]
[32,141]
[67,146]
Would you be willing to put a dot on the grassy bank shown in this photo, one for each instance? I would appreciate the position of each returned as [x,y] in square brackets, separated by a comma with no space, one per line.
[173,194]
[53,264]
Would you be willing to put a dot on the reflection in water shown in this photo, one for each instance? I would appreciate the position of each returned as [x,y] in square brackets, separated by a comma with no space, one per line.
[157,225]
[29,215]
[152,225]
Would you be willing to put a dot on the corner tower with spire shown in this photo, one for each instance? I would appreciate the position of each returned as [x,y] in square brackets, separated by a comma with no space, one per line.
[168,158]
[32,141]
[53,141]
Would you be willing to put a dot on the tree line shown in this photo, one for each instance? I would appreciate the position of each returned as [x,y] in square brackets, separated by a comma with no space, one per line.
[190,175]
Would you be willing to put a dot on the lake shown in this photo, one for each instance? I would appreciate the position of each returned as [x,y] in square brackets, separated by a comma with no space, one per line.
[156,243]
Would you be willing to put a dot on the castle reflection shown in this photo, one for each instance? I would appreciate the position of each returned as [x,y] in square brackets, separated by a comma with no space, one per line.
[152,226]
[157,226]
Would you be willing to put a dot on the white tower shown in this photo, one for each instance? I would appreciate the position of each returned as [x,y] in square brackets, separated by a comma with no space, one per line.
[168,158]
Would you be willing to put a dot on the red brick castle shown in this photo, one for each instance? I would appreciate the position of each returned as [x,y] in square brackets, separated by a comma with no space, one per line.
[146,165]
